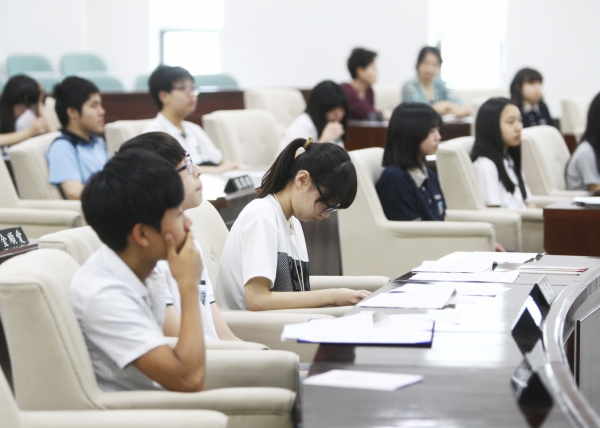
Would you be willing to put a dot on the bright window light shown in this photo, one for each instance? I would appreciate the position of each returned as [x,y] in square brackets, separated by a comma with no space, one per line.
[197,51]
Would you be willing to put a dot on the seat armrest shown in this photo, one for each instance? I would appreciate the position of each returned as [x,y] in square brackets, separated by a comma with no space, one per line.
[531,214]
[568,194]
[507,224]
[437,229]
[541,201]
[47,204]
[370,283]
[224,345]
[29,216]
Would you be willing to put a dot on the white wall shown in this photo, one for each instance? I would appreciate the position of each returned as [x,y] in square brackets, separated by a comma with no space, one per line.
[301,42]
[561,40]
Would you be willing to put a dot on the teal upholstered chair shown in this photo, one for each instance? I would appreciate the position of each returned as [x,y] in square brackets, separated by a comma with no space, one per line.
[104,81]
[216,80]
[35,66]
[141,83]
[2,83]
[72,64]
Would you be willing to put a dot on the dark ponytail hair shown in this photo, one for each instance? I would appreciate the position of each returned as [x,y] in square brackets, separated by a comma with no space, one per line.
[489,143]
[592,128]
[329,167]
[20,89]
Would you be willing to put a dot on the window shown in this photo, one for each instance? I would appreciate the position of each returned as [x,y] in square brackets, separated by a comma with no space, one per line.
[471,35]
[197,51]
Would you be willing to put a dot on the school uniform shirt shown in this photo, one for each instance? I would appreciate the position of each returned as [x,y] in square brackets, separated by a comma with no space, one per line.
[262,244]
[207,295]
[25,120]
[361,109]
[193,139]
[70,157]
[494,192]
[302,127]
[413,194]
[413,92]
[536,114]
[582,169]
[120,317]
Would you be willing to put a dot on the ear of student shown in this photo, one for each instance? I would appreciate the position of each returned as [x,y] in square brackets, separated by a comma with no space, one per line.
[140,235]
[303,178]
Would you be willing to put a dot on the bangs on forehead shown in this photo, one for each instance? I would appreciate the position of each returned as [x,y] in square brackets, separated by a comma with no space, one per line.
[339,187]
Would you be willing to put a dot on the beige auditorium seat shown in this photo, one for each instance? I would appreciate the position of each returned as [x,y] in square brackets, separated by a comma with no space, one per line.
[370,243]
[31,167]
[461,190]
[118,132]
[50,114]
[255,328]
[387,95]
[52,369]
[574,115]
[37,218]
[467,95]
[286,104]
[545,157]
[249,137]
[12,417]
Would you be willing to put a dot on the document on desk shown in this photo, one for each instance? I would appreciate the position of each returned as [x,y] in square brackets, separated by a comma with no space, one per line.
[554,270]
[363,380]
[461,289]
[488,257]
[364,328]
[502,277]
[468,266]
[425,296]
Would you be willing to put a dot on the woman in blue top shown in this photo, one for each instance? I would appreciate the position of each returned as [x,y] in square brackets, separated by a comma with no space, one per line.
[408,190]
[428,88]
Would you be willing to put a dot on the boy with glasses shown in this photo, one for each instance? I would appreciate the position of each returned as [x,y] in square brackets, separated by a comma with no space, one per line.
[173,91]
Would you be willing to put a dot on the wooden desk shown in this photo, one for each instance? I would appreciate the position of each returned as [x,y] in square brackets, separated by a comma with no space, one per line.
[364,134]
[466,373]
[570,229]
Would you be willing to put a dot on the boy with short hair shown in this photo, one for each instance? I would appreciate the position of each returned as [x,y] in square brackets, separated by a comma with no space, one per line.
[79,151]
[134,205]
[173,91]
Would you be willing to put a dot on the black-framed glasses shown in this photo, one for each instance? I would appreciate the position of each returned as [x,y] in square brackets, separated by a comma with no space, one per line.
[189,165]
[328,209]
[188,89]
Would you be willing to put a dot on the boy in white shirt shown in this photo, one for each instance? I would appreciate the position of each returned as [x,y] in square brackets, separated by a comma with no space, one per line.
[173,91]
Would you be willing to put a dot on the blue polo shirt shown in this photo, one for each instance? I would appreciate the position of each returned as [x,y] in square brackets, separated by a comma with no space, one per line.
[401,199]
[70,157]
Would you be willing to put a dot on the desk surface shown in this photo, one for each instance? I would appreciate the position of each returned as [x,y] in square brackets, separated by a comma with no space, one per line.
[466,372]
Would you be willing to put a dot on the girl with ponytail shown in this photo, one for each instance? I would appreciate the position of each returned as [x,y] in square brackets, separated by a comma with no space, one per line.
[265,254]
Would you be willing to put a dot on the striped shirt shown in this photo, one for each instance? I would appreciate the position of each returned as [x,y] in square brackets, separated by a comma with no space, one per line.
[120,317]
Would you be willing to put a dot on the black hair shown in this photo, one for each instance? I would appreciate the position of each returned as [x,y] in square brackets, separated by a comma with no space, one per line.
[525,75]
[592,128]
[20,89]
[133,187]
[360,57]
[160,143]
[426,50]
[324,97]
[72,92]
[163,78]
[329,167]
[409,125]
[489,142]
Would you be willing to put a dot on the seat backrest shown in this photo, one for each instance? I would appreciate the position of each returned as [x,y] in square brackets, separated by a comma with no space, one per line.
[10,198]
[285,103]
[222,81]
[457,176]
[9,411]
[141,83]
[30,167]
[50,113]
[71,64]
[545,158]
[368,170]
[210,231]
[467,95]
[80,243]
[574,113]
[52,369]
[20,64]
[118,132]
[387,95]
[250,137]
[104,82]
[2,83]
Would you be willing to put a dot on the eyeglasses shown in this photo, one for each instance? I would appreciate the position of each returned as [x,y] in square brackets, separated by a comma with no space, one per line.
[189,165]
[188,89]
[328,209]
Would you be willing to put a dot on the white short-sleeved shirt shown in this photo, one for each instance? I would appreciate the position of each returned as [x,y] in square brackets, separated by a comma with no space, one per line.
[302,127]
[207,295]
[262,244]
[494,192]
[582,169]
[193,140]
[120,317]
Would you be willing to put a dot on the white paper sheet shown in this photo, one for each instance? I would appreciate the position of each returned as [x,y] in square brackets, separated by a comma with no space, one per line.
[488,256]
[469,266]
[587,200]
[506,277]
[363,380]
[426,296]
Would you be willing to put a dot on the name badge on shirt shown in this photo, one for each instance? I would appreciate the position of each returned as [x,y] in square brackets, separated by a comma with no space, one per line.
[203,292]
[440,205]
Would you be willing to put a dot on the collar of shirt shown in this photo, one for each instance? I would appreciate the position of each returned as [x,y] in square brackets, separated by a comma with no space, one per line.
[527,108]
[120,270]
[418,175]
[172,129]
[77,139]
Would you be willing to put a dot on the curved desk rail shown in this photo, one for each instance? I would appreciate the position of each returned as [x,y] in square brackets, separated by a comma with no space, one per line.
[578,300]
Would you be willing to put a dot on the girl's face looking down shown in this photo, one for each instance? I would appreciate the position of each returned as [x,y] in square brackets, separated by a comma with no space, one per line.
[336,114]
[511,125]
[304,197]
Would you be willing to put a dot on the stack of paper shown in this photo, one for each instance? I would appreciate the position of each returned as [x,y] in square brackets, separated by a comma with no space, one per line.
[363,380]
[587,200]
[555,270]
[461,289]
[426,296]
[365,328]
[488,257]
[469,266]
[490,276]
